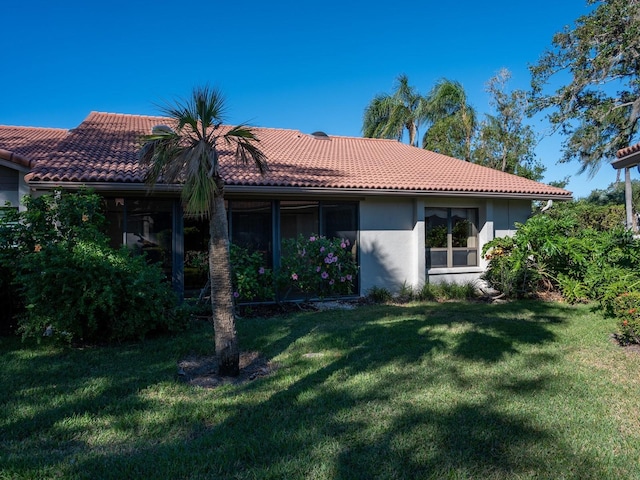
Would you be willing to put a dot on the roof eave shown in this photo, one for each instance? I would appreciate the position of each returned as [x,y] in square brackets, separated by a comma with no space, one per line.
[110,187]
[15,160]
[265,190]
[281,190]
[627,161]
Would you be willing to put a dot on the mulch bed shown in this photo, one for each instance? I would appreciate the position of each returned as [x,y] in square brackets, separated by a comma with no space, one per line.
[203,371]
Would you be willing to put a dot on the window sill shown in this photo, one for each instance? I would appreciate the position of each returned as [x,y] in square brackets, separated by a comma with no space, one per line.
[441,271]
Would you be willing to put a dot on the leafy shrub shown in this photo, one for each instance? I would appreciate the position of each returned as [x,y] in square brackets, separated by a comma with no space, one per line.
[317,266]
[88,293]
[626,309]
[509,271]
[556,253]
[71,283]
[589,215]
[251,279]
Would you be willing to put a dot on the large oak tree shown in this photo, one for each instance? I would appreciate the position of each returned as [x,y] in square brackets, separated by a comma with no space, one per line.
[597,65]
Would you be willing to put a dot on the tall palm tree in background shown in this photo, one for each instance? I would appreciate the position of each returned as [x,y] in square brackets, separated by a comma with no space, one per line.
[453,120]
[187,152]
[388,116]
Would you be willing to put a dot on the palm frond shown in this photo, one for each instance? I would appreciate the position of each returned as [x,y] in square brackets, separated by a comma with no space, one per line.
[188,155]
[247,152]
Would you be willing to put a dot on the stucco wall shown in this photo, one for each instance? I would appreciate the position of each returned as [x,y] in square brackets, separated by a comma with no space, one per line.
[12,184]
[9,186]
[388,243]
[509,212]
[392,249]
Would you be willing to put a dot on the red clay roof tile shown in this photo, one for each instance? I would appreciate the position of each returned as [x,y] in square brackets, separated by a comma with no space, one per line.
[104,147]
[27,145]
[623,152]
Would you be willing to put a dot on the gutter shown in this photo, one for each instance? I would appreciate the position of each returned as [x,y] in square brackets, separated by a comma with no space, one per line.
[253,191]
[266,190]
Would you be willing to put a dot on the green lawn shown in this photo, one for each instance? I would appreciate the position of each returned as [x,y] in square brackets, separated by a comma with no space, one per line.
[452,390]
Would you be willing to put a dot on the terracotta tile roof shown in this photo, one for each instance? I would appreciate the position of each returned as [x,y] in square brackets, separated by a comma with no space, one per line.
[104,149]
[27,145]
[623,152]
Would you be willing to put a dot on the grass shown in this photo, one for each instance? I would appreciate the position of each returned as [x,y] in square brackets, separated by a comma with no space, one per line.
[423,390]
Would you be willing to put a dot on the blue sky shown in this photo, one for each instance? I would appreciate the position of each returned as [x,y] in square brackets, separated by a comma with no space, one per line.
[285,64]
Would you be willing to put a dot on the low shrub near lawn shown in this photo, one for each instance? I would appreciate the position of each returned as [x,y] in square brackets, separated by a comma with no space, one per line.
[88,293]
[252,279]
[626,309]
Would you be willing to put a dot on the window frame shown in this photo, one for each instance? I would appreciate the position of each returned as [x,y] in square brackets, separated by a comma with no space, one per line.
[450,249]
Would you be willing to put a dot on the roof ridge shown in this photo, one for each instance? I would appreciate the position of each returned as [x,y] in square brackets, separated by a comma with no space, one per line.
[29,127]
[259,127]
[136,115]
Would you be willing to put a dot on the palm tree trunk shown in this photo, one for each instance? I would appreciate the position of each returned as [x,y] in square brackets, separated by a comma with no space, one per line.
[224,324]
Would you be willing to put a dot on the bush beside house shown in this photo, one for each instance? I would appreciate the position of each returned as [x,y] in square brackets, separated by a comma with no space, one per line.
[56,259]
[579,250]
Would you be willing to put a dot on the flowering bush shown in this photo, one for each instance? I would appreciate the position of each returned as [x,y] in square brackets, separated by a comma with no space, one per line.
[251,280]
[317,266]
[626,308]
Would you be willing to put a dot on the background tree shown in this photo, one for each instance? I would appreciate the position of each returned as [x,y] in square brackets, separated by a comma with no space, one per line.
[452,119]
[614,194]
[599,107]
[188,154]
[504,142]
[388,116]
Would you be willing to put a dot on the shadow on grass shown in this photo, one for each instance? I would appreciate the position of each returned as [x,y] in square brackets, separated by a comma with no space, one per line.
[392,398]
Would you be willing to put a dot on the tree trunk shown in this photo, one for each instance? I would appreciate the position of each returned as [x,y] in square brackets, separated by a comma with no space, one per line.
[224,324]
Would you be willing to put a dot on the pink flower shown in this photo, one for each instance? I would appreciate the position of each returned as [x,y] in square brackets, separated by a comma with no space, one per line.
[342,279]
[312,239]
[349,277]
[331,282]
[347,242]
[261,271]
[324,275]
[321,249]
[294,276]
[318,269]
[343,245]
[236,294]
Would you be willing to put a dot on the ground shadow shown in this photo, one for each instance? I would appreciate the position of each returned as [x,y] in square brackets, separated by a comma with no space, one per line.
[312,417]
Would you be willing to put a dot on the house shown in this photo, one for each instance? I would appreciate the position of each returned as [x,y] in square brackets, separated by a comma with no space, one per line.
[414,216]
[20,149]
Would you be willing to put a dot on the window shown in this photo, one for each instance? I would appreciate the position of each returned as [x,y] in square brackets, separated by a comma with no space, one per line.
[250,226]
[298,218]
[143,225]
[451,237]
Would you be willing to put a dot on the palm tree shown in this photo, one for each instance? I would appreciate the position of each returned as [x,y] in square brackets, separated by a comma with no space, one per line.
[188,153]
[388,116]
[453,120]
